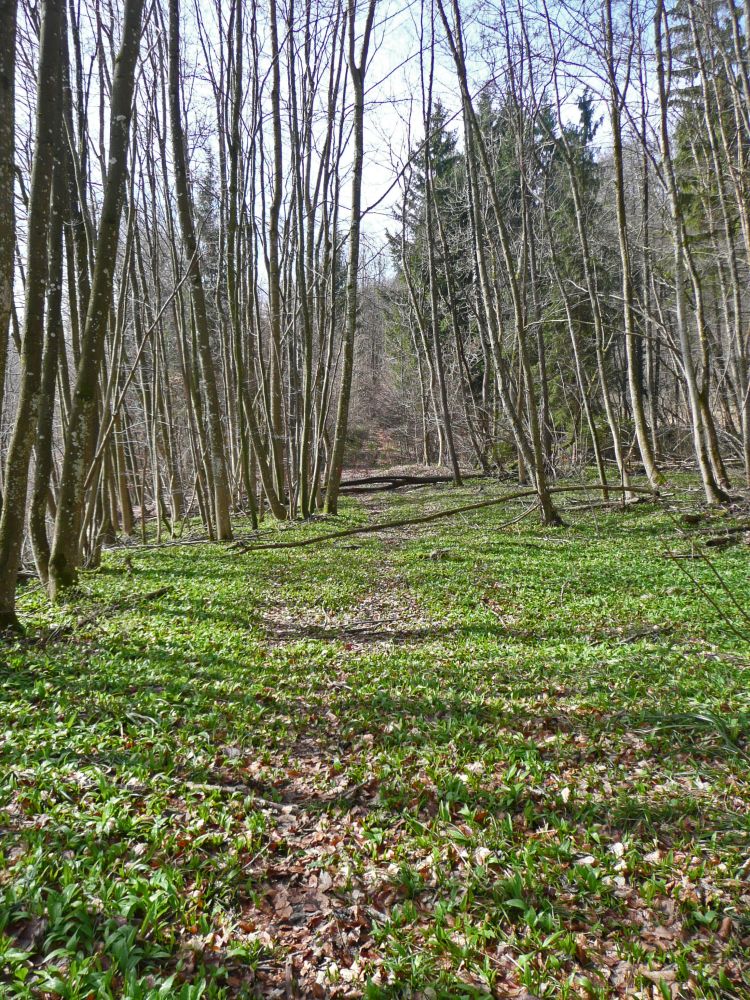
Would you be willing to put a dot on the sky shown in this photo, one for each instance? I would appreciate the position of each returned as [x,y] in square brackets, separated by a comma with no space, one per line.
[393,117]
[394,111]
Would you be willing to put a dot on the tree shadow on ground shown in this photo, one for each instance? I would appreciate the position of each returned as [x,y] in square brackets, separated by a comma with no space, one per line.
[175,696]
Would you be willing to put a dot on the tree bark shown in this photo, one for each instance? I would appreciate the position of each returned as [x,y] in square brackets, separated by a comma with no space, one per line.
[53,343]
[65,554]
[27,409]
[357,69]
[217,456]
[8,15]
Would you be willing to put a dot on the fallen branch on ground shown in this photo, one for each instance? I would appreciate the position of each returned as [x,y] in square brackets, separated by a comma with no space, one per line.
[608,504]
[426,518]
[732,537]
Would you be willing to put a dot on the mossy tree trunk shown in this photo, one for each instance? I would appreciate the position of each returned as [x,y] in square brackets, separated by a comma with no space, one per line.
[30,378]
[65,554]
[8,14]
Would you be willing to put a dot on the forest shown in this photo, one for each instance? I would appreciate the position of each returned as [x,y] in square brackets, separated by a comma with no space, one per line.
[374,499]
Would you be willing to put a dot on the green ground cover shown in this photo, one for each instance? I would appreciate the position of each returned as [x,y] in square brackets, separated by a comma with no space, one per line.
[453,761]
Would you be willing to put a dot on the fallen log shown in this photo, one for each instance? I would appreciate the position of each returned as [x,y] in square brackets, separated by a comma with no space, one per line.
[405,478]
[722,541]
[386,483]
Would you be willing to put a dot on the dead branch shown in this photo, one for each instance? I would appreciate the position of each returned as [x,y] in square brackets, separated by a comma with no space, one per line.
[124,604]
[427,518]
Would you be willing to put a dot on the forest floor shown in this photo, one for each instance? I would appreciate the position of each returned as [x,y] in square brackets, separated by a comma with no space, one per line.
[455,761]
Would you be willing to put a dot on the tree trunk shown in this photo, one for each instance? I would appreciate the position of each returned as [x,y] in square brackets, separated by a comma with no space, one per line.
[27,409]
[357,71]
[7,164]
[217,456]
[635,377]
[713,493]
[65,555]
[52,347]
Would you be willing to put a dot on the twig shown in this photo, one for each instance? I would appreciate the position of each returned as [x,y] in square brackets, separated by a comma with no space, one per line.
[285,807]
[201,786]
[121,605]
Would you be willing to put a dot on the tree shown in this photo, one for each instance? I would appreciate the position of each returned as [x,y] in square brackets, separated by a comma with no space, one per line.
[8,14]
[221,493]
[357,71]
[712,490]
[65,553]
[29,396]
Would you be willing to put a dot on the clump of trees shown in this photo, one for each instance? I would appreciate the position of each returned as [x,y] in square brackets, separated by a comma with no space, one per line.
[192,321]
[190,283]
[572,243]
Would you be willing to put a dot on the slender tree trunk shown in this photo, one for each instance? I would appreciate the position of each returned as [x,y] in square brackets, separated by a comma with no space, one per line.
[436,333]
[274,279]
[217,455]
[65,554]
[463,368]
[123,489]
[430,212]
[713,493]
[532,442]
[635,375]
[52,346]
[27,408]
[244,407]
[357,71]
[7,164]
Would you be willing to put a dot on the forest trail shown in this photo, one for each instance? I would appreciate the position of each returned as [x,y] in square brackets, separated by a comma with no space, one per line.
[451,762]
[415,733]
